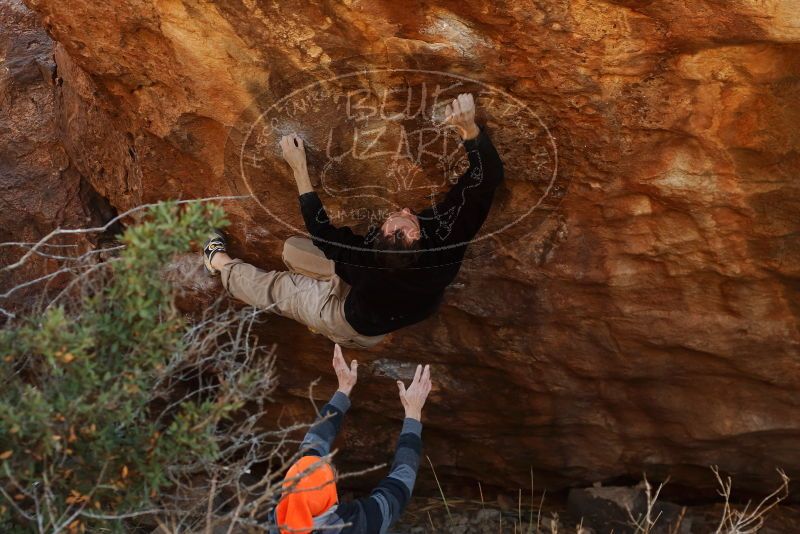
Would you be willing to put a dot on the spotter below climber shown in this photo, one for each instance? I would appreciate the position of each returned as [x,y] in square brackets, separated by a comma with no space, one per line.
[310,501]
[355,289]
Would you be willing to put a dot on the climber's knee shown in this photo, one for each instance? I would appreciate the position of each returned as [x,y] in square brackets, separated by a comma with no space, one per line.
[300,255]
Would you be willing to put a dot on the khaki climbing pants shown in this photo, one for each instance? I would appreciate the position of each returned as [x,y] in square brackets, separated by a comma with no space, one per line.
[310,292]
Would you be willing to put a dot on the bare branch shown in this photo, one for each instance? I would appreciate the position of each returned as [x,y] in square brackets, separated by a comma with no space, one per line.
[746,521]
[99,229]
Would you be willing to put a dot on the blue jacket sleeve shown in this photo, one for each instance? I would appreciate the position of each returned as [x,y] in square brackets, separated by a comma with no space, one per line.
[388,500]
[320,437]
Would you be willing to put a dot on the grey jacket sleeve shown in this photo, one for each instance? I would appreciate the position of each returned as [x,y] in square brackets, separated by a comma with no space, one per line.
[388,500]
[320,437]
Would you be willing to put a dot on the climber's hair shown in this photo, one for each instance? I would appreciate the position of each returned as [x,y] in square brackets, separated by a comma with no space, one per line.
[393,251]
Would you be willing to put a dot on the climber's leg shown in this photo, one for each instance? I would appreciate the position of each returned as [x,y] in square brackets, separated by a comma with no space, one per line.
[318,304]
[333,322]
[280,292]
[301,256]
[219,261]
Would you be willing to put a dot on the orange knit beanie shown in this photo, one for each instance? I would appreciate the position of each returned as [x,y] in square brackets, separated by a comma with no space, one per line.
[310,490]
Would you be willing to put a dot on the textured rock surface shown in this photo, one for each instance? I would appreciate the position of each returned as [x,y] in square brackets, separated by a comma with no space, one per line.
[645,318]
[39,189]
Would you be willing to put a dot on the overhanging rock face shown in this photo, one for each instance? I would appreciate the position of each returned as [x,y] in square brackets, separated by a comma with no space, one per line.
[633,302]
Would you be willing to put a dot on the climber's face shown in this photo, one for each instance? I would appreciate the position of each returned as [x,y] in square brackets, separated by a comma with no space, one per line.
[404,221]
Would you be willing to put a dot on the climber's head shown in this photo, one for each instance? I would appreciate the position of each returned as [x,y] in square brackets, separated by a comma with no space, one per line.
[310,491]
[397,241]
[403,224]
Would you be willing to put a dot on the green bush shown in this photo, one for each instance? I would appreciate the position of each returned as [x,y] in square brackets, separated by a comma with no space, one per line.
[98,414]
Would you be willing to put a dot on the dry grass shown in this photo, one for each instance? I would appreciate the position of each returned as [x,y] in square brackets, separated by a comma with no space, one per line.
[735,519]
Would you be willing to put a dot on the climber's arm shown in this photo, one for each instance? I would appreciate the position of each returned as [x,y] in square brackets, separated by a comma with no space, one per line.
[294,152]
[320,437]
[388,500]
[303,181]
[338,244]
[465,206]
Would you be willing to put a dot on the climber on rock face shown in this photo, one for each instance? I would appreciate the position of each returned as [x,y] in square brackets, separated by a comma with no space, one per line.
[356,289]
[310,501]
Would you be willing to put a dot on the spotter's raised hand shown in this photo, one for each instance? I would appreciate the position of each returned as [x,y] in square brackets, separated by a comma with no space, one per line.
[347,375]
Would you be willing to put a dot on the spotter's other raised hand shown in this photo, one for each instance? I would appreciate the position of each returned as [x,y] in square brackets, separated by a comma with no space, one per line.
[414,397]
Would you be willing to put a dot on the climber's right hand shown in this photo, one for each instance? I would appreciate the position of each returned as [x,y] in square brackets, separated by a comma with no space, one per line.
[294,152]
[414,397]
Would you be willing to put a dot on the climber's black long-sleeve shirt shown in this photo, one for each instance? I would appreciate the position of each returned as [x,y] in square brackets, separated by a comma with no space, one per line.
[383,300]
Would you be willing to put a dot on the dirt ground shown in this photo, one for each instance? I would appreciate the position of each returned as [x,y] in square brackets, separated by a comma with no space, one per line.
[472,517]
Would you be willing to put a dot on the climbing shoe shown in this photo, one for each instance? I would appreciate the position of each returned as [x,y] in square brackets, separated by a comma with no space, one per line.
[216,243]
